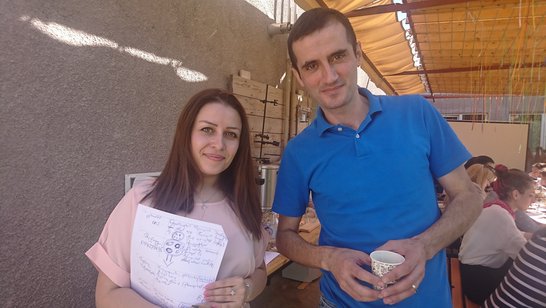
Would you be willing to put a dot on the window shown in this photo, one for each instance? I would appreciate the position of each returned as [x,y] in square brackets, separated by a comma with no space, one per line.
[470,117]
[537,134]
[451,117]
[474,117]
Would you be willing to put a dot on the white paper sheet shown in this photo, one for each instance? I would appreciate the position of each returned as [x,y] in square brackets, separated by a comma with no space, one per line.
[174,257]
[269,256]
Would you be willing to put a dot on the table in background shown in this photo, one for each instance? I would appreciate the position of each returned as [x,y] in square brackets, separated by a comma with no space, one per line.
[537,211]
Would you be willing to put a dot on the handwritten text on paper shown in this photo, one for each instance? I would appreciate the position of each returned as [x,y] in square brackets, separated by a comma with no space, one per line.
[174,257]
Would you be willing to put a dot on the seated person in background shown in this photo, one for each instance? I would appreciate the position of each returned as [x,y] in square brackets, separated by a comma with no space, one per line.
[525,283]
[481,176]
[478,173]
[482,160]
[523,221]
[536,169]
[493,241]
[526,223]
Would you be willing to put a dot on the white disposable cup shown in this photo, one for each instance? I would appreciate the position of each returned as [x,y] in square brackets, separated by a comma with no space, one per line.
[384,261]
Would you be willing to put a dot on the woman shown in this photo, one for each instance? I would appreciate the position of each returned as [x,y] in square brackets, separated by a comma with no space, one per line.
[208,176]
[493,241]
[482,176]
[482,160]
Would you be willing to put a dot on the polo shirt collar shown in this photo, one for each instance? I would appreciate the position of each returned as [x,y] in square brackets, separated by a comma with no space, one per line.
[375,106]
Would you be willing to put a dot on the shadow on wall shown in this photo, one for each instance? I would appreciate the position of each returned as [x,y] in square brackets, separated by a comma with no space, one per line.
[79,38]
[91,91]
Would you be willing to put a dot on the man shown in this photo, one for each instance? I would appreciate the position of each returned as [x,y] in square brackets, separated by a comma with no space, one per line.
[369,163]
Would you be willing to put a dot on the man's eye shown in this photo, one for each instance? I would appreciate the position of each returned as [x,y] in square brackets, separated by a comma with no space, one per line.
[338,57]
[310,67]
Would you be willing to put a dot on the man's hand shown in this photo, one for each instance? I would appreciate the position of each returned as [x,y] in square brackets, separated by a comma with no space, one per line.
[346,266]
[407,275]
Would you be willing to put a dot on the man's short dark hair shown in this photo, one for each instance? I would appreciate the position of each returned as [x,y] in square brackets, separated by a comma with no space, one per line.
[314,20]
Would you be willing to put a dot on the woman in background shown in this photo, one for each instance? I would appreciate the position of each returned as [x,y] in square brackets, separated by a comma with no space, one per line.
[482,160]
[209,176]
[525,283]
[482,176]
[536,169]
[493,241]
[523,221]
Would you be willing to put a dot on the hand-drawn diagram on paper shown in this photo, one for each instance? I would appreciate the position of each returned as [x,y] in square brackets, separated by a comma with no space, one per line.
[174,257]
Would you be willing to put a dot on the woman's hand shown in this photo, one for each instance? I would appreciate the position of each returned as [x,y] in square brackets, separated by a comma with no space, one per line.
[229,293]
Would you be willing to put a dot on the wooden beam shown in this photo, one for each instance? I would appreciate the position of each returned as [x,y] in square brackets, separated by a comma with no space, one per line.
[322,4]
[405,7]
[428,85]
[375,72]
[468,69]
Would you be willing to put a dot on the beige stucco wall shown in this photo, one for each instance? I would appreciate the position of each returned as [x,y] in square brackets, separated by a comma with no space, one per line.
[75,119]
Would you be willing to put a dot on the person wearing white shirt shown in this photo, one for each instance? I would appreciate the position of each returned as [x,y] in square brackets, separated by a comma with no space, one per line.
[493,241]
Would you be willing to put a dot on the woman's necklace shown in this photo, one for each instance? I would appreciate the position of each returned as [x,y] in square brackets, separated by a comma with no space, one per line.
[204,203]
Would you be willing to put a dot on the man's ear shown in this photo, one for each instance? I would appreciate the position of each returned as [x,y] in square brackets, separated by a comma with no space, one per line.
[296,73]
[358,52]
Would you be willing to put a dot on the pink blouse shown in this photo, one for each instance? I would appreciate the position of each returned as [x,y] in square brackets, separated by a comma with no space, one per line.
[111,254]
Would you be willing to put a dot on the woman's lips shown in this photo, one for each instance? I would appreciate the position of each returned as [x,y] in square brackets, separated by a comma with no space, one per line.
[214,157]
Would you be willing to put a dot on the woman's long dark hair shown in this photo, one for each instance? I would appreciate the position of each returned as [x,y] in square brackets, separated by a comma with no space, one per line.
[174,188]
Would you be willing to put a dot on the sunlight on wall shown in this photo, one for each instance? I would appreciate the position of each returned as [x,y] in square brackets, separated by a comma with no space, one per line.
[79,38]
[146,56]
[70,36]
[279,11]
[264,6]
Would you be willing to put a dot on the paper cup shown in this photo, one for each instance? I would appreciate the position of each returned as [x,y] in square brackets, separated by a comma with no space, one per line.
[384,261]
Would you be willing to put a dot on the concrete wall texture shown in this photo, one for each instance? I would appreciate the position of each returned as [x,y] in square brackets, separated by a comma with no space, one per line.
[90,91]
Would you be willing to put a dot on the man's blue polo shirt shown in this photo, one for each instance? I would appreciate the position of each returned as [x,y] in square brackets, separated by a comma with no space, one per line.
[374,184]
